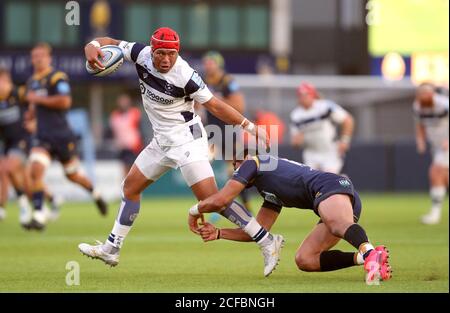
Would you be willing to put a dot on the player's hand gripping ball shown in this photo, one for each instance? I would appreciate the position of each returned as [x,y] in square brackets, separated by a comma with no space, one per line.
[112,59]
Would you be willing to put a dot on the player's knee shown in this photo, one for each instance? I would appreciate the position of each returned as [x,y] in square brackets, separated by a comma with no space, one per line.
[71,169]
[303,262]
[39,162]
[129,191]
[37,170]
[337,228]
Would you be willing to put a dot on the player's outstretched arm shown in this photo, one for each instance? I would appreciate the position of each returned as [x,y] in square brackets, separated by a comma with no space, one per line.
[92,50]
[224,111]
[61,102]
[348,125]
[420,138]
[231,116]
[297,139]
[266,217]
[222,198]
[214,203]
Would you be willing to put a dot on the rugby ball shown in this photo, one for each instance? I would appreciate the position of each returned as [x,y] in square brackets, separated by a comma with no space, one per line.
[112,60]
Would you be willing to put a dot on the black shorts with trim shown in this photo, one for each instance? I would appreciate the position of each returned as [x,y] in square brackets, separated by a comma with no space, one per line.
[331,184]
[16,141]
[63,148]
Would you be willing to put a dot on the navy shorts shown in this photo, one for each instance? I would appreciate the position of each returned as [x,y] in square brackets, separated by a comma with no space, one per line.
[15,141]
[330,184]
[62,148]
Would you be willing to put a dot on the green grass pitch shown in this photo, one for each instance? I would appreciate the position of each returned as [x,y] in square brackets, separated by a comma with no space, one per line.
[162,255]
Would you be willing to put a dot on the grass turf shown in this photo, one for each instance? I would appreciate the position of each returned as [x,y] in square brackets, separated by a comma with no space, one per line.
[161,255]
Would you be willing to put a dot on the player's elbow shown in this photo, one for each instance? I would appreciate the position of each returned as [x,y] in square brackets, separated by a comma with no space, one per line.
[349,121]
[212,106]
[66,102]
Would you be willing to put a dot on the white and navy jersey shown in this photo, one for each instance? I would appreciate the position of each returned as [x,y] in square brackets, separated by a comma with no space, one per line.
[434,119]
[316,124]
[168,98]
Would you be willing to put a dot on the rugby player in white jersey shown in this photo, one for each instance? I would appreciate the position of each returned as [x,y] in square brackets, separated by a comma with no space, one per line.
[169,87]
[431,115]
[313,127]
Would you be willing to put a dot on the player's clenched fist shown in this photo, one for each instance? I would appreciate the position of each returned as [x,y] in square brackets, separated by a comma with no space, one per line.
[209,232]
[193,223]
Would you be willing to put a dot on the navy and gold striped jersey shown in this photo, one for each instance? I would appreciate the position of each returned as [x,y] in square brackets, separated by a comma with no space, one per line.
[291,184]
[224,87]
[51,122]
[12,111]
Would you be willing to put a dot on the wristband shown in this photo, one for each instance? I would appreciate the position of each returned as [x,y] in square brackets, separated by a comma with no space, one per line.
[218,234]
[250,128]
[194,210]
[95,43]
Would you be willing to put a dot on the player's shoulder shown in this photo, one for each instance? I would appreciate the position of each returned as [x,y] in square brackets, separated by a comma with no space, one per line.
[441,102]
[56,76]
[326,104]
[183,70]
[229,81]
[297,113]
[134,51]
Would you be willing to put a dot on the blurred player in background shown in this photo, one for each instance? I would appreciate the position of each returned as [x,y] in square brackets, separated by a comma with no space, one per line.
[16,142]
[169,87]
[270,120]
[224,87]
[431,112]
[125,123]
[330,196]
[4,185]
[313,127]
[49,98]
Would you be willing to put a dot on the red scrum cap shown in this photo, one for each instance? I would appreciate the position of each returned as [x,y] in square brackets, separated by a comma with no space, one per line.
[307,88]
[165,38]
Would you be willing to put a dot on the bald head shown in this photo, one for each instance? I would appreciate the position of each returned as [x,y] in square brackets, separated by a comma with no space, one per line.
[425,94]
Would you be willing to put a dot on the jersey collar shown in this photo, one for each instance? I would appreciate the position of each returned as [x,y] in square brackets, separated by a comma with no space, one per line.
[43,74]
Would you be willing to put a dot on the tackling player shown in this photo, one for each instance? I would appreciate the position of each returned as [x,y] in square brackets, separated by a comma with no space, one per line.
[49,98]
[312,126]
[330,196]
[431,115]
[16,141]
[169,87]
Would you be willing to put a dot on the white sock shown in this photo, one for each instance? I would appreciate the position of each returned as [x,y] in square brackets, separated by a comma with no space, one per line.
[118,234]
[365,247]
[359,259]
[261,236]
[437,195]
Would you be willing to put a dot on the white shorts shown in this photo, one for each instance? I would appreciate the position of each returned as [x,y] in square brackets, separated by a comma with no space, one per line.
[329,161]
[191,158]
[440,157]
